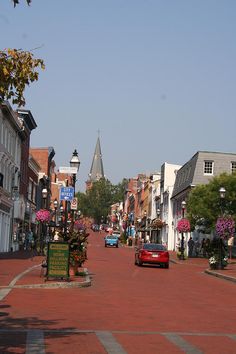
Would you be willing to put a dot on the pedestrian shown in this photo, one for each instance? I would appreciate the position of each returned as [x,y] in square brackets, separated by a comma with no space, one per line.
[203,247]
[190,246]
[208,247]
[178,244]
[197,247]
[230,245]
[56,237]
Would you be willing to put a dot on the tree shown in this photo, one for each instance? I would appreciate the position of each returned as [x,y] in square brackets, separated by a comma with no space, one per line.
[17,69]
[119,190]
[204,205]
[96,202]
[16,2]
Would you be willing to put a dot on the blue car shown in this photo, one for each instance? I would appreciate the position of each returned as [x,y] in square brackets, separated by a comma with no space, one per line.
[111,240]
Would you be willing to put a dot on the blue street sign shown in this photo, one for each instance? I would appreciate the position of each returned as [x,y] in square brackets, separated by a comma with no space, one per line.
[66,193]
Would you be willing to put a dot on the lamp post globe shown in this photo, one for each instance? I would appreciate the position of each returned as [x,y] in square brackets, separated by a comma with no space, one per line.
[44,196]
[183,206]
[55,203]
[75,161]
[222,192]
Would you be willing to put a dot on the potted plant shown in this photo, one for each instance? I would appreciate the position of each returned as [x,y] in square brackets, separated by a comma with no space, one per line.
[225,227]
[77,239]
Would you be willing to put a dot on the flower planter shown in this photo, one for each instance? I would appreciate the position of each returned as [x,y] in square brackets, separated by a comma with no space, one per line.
[217,266]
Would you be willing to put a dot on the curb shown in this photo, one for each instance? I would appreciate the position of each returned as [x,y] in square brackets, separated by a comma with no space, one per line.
[52,285]
[210,272]
[219,275]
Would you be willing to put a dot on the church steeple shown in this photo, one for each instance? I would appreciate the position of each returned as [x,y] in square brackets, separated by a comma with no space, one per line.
[96,170]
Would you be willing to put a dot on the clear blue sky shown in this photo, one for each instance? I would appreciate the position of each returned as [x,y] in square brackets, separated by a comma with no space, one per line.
[157,78]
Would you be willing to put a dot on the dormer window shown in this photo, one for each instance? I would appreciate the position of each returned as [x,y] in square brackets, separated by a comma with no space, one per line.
[233,166]
[208,167]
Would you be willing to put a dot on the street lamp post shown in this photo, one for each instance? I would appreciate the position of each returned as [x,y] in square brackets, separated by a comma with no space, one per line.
[61,216]
[222,192]
[44,227]
[44,195]
[183,206]
[55,203]
[74,162]
[158,231]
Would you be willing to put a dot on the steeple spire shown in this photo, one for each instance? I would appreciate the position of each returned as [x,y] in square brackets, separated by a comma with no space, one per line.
[97,171]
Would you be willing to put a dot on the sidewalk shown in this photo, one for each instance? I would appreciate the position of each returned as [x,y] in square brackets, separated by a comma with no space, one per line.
[229,273]
[20,270]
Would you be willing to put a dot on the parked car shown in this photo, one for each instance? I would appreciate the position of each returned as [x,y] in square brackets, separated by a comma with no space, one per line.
[152,253]
[111,240]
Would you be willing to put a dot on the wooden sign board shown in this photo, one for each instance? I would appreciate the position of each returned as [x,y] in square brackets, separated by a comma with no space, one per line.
[58,260]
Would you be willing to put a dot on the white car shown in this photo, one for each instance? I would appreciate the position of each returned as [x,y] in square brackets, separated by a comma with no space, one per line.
[116,233]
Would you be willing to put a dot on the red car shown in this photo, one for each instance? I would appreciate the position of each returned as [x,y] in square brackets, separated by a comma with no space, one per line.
[152,253]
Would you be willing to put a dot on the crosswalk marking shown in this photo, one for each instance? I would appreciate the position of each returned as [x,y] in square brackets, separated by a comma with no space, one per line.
[35,338]
[109,342]
[182,344]
[35,342]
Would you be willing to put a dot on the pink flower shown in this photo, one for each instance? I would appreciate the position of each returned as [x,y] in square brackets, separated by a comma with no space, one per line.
[183,225]
[43,215]
[225,226]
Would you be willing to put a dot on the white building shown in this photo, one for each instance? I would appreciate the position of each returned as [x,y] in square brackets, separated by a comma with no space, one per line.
[168,176]
[10,157]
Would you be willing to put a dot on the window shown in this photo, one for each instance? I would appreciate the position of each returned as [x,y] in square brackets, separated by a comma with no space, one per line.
[208,167]
[233,166]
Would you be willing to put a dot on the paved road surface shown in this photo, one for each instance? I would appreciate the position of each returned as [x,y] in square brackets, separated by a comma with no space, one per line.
[127,309]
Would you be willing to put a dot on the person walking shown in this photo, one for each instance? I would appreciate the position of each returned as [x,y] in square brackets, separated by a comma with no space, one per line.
[230,245]
[178,244]
[203,247]
[190,246]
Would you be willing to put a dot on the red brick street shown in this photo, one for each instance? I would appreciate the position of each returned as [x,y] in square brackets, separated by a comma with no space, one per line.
[126,309]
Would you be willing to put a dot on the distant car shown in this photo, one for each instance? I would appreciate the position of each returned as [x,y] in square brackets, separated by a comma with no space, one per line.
[106,227]
[95,227]
[111,240]
[116,233]
[152,253]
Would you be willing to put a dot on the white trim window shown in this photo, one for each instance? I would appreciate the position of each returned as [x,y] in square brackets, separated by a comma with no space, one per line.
[208,167]
[233,166]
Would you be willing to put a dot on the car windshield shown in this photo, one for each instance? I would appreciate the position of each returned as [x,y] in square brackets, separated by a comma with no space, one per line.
[111,236]
[154,247]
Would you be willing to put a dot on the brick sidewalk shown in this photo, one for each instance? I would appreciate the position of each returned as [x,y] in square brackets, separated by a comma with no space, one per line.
[229,273]
[20,269]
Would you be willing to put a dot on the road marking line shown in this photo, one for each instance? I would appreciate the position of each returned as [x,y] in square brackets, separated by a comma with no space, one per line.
[232,336]
[182,344]
[4,291]
[35,342]
[109,342]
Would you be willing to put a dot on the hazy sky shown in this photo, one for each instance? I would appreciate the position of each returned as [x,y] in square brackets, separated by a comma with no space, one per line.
[156,77]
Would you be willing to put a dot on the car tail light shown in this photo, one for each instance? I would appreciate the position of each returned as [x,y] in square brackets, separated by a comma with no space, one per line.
[165,254]
[145,253]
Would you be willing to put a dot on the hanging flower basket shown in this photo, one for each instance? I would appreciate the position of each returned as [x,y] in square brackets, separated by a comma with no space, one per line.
[43,215]
[225,226]
[183,225]
[158,223]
